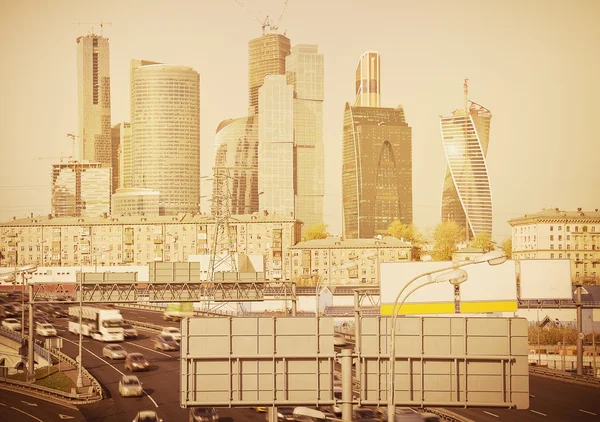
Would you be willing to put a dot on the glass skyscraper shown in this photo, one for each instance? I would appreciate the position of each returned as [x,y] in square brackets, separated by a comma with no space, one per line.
[467,197]
[266,56]
[236,164]
[376,159]
[165,134]
[93,95]
[276,147]
[304,71]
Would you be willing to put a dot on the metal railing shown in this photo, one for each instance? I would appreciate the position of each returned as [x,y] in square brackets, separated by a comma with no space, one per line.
[565,376]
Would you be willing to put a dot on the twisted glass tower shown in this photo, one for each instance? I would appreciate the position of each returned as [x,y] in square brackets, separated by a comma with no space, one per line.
[467,197]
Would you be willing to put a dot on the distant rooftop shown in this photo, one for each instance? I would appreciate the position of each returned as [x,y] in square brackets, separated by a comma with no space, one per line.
[332,242]
[556,214]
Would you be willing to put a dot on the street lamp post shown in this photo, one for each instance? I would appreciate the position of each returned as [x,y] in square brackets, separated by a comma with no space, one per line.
[79,381]
[453,274]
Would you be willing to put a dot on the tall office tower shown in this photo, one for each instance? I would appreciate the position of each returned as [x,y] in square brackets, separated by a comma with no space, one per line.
[93,94]
[236,165]
[376,168]
[467,198]
[266,56]
[276,146]
[80,189]
[122,131]
[117,153]
[165,134]
[304,71]
[368,81]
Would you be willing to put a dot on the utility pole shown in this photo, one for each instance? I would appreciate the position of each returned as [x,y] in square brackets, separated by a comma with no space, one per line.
[580,335]
[223,247]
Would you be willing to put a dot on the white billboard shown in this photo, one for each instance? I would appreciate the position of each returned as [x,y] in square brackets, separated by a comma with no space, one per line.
[545,279]
[488,288]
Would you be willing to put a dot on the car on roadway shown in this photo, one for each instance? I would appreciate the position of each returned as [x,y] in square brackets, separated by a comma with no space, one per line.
[147,416]
[164,342]
[129,331]
[363,414]
[11,324]
[45,329]
[136,362]
[172,331]
[130,386]
[114,351]
[57,312]
[284,413]
[203,414]
[8,310]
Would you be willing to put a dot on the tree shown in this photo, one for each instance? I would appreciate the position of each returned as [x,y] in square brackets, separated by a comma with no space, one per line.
[445,237]
[316,231]
[407,232]
[483,241]
[507,246]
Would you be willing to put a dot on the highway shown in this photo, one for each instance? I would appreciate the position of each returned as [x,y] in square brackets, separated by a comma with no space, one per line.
[551,400]
[17,407]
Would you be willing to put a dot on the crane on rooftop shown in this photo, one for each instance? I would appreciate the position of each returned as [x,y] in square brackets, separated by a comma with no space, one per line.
[101,23]
[267,22]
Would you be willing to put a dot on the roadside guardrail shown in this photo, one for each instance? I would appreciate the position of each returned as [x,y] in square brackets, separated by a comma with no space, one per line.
[565,376]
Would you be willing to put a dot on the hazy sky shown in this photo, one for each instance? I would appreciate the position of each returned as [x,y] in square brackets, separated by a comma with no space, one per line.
[535,64]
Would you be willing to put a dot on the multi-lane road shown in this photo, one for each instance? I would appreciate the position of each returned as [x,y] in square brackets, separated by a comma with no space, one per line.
[550,401]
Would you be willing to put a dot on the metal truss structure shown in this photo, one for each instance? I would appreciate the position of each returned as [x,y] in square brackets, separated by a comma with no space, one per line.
[126,292]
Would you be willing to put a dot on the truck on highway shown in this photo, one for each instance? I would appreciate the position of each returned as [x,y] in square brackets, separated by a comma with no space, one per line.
[177,310]
[100,323]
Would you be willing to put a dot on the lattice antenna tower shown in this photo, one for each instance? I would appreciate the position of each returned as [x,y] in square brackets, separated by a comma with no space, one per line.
[222,251]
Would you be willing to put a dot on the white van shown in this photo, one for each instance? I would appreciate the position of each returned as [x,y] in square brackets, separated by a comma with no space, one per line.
[309,415]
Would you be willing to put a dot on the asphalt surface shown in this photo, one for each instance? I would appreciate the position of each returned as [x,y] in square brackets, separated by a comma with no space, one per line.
[550,400]
[17,407]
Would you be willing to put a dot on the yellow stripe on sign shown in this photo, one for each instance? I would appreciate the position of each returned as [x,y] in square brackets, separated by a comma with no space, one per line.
[493,306]
[419,308]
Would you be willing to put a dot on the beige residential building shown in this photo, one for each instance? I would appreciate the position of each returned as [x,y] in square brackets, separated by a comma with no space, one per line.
[558,234]
[139,240]
[335,261]
[165,134]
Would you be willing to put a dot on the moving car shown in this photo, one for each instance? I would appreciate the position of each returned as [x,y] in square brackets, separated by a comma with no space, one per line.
[45,329]
[172,331]
[130,386]
[164,342]
[307,414]
[8,310]
[57,312]
[147,416]
[284,413]
[365,415]
[203,414]
[136,362]
[114,351]
[12,324]
[129,331]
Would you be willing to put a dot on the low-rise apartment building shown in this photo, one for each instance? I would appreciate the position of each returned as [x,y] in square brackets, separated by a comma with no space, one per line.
[139,240]
[335,261]
[558,234]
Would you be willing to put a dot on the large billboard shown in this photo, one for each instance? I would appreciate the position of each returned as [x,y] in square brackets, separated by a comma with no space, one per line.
[545,279]
[489,288]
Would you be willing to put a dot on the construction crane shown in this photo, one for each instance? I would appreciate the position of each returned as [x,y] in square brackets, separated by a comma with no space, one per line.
[266,22]
[101,23]
[73,142]
[61,158]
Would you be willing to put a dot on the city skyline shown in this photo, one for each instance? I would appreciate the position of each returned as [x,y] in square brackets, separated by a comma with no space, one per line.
[536,74]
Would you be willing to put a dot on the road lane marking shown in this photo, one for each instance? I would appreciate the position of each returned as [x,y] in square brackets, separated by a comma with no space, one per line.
[60,415]
[2,404]
[491,414]
[152,350]
[115,368]
[531,395]
[29,403]
[28,414]
[589,413]
[539,413]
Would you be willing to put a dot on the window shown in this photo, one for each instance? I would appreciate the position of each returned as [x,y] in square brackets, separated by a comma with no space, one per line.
[559,228]
[551,256]
[559,256]
[584,229]
[568,228]
[551,228]
[560,237]
[577,274]
[552,246]
[551,236]
[568,237]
